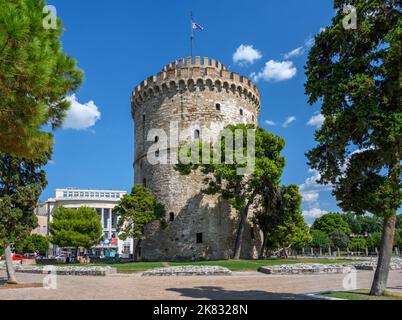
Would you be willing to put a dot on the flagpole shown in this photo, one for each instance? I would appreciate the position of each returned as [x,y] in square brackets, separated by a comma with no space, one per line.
[191,35]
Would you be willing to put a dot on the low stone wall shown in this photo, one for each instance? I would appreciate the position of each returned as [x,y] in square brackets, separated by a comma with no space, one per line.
[71,271]
[318,268]
[189,271]
[50,261]
[313,268]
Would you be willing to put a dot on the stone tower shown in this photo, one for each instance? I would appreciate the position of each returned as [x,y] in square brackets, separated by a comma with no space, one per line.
[201,97]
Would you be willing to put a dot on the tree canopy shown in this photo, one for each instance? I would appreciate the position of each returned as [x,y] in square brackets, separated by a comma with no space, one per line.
[77,228]
[355,73]
[331,222]
[35,77]
[222,173]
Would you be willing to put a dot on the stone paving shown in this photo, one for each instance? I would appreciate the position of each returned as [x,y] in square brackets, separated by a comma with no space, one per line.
[189,271]
[241,285]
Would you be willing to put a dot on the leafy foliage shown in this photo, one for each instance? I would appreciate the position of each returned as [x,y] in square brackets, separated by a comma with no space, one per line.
[34,243]
[357,244]
[75,227]
[136,210]
[222,175]
[35,76]
[320,239]
[283,225]
[21,183]
[331,222]
[362,225]
[339,239]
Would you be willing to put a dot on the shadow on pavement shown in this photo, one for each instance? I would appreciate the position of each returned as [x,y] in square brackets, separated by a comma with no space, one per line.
[219,293]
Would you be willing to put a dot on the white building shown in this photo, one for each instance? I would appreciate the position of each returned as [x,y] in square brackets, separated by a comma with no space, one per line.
[103,201]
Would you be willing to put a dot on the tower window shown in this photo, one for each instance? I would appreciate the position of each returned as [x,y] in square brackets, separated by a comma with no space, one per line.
[156,139]
[253,118]
[171,216]
[218,107]
[199,237]
[144,183]
[196,134]
[143,117]
[241,112]
[157,153]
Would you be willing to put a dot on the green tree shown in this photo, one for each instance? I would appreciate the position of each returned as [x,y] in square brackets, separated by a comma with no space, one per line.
[357,244]
[33,243]
[77,228]
[339,239]
[135,212]
[283,226]
[374,240]
[331,222]
[320,239]
[222,175]
[21,183]
[356,74]
[35,77]
[362,225]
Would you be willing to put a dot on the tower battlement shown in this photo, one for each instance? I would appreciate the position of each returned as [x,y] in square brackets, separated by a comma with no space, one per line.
[196,74]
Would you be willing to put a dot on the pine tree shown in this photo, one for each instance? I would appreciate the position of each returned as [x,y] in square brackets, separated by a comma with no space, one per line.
[356,74]
[35,77]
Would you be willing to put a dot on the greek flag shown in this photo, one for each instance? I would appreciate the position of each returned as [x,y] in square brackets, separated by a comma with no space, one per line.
[196,26]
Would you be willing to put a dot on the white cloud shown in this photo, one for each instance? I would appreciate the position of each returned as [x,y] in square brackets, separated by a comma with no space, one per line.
[310,196]
[310,191]
[316,120]
[288,121]
[308,43]
[294,53]
[81,116]
[314,213]
[276,71]
[246,54]
[269,122]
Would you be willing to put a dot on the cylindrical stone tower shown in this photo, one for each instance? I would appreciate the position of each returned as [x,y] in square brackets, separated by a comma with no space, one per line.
[198,98]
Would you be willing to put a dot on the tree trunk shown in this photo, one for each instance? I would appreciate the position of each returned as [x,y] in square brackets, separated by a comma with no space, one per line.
[136,250]
[262,246]
[320,252]
[240,232]
[11,279]
[384,258]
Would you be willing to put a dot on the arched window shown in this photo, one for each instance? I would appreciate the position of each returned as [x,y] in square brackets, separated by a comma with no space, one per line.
[196,134]
[171,216]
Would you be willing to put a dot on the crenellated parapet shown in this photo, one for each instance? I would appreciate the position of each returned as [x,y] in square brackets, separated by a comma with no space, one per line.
[195,74]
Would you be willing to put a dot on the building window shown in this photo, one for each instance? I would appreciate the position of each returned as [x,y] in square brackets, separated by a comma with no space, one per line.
[65,194]
[253,118]
[218,107]
[241,112]
[156,139]
[157,153]
[114,220]
[81,194]
[76,194]
[196,134]
[97,194]
[106,217]
[199,237]
[171,216]
[99,212]
[144,183]
[143,118]
[106,235]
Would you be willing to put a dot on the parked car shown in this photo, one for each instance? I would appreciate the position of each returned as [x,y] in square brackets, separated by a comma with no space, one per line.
[18,257]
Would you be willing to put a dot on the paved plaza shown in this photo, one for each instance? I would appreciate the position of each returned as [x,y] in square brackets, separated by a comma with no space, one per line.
[241,285]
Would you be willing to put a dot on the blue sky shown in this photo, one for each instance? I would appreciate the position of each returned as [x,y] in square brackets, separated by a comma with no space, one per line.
[120,43]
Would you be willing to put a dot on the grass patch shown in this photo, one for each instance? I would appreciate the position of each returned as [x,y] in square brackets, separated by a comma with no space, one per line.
[234,265]
[362,295]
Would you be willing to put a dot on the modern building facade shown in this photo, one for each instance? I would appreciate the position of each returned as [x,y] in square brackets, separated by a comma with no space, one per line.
[198,97]
[103,201]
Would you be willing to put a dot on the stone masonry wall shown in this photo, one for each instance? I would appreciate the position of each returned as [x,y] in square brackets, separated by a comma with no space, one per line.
[188,94]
